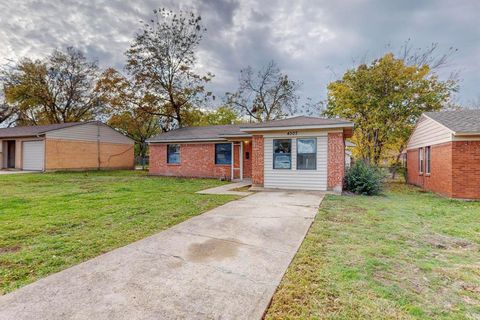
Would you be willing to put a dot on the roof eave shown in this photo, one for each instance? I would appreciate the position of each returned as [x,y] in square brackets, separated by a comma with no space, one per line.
[466,133]
[185,140]
[303,127]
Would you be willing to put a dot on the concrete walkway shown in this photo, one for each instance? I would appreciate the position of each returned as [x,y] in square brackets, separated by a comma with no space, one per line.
[230,189]
[16,172]
[224,264]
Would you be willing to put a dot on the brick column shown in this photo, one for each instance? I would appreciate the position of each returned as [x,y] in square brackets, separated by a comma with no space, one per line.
[336,161]
[257,160]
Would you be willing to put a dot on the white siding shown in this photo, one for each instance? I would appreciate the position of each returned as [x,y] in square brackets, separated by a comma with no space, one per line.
[89,132]
[33,155]
[293,178]
[427,133]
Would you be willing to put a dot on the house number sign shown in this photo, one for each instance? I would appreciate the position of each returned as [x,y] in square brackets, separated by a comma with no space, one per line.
[292,133]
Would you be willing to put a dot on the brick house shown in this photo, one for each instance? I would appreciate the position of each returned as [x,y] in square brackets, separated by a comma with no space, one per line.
[296,153]
[65,146]
[443,153]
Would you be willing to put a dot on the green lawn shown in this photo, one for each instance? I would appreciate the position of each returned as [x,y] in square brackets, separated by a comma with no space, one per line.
[49,222]
[404,255]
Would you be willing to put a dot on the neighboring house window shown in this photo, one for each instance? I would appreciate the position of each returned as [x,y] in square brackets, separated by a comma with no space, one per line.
[427,160]
[282,154]
[223,153]
[307,154]
[173,153]
[420,160]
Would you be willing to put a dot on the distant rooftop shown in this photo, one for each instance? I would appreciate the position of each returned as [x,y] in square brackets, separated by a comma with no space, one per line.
[460,121]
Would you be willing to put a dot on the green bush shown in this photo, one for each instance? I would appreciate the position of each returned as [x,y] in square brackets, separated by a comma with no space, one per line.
[362,178]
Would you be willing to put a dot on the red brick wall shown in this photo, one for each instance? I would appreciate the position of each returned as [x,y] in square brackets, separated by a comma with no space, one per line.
[196,160]
[336,160]
[466,169]
[247,163]
[440,178]
[257,160]
[455,169]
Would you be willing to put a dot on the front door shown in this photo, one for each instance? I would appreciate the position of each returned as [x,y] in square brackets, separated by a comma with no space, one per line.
[10,154]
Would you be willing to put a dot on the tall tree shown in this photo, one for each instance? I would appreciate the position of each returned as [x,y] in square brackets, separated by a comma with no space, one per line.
[267,94]
[221,116]
[162,57]
[384,100]
[58,89]
[128,106]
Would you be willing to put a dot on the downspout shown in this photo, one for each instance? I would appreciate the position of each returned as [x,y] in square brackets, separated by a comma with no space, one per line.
[98,146]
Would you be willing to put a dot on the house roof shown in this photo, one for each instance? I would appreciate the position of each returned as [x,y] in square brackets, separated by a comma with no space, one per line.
[204,133]
[298,122]
[27,131]
[460,121]
[219,133]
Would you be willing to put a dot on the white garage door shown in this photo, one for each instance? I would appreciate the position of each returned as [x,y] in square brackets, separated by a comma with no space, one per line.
[33,155]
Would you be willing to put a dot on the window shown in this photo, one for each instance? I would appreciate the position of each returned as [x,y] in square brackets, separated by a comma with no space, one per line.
[307,154]
[223,153]
[173,153]
[282,154]
[427,160]
[420,160]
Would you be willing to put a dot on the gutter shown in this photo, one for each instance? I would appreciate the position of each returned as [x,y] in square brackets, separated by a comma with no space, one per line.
[299,127]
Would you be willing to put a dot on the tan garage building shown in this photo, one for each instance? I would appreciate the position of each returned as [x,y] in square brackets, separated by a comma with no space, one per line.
[65,146]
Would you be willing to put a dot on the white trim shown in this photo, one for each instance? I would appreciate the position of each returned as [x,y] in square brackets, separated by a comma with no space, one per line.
[241,160]
[299,127]
[232,160]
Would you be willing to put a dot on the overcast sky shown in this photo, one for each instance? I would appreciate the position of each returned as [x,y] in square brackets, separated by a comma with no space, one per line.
[313,41]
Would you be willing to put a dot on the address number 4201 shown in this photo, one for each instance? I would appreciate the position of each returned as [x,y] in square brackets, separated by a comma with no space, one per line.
[292,133]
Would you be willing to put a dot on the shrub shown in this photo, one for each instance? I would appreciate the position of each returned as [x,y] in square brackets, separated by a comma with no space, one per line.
[362,178]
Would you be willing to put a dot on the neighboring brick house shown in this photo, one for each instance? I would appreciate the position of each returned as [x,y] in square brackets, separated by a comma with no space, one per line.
[65,146]
[443,153]
[295,153]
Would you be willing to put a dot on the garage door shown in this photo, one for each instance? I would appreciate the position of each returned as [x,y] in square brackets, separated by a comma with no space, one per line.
[33,155]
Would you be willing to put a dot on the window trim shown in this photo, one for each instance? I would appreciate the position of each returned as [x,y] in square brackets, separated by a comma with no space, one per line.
[314,153]
[179,154]
[428,161]
[231,154]
[420,161]
[273,154]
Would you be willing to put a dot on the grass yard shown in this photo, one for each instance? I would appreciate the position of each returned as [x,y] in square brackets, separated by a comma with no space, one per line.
[404,255]
[49,222]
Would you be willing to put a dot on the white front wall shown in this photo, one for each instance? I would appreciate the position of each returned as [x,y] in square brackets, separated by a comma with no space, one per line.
[293,178]
[33,155]
[427,133]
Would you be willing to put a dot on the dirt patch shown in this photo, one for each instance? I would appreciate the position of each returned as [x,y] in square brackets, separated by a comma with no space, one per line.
[440,241]
[212,249]
[10,249]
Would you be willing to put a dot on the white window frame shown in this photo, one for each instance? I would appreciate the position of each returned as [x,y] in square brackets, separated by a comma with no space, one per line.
[428,156]
[420,160]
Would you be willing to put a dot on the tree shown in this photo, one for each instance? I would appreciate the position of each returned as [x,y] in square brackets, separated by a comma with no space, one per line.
[128,107]
[162,58]
[59,89]
[221,116]
[384,100]
[265,95]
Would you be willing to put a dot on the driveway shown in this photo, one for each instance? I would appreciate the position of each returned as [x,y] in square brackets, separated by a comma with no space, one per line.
[223,264]
[16,172]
